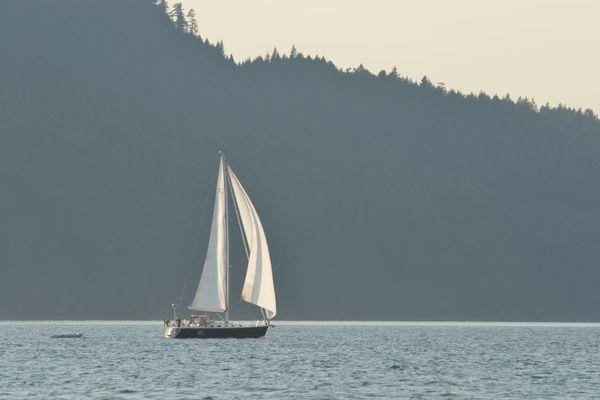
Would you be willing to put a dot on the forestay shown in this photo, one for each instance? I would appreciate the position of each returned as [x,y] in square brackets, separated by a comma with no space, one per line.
[258,286]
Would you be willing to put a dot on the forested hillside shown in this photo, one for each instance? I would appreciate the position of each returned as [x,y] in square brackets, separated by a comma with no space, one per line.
[382,198]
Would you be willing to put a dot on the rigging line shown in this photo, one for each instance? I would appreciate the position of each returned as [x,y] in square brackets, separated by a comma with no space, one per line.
[202,217]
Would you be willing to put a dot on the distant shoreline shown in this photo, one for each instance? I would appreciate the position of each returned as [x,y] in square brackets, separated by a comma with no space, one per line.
[515,324]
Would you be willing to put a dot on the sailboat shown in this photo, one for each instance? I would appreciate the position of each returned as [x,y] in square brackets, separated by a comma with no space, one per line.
[212,296]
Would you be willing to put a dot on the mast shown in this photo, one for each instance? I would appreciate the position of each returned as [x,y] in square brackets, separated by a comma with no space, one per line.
[226,243]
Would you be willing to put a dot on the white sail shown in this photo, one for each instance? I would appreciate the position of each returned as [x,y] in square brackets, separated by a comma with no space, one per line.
[258,285]
[212,289]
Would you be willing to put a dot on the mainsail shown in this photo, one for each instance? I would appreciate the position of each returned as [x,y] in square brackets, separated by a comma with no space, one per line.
[258,285]
[212,289]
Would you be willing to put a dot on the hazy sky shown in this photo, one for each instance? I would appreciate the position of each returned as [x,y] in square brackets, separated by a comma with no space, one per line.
[545,49]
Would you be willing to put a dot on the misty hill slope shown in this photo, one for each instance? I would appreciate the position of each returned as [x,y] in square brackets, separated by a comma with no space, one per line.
[381,199]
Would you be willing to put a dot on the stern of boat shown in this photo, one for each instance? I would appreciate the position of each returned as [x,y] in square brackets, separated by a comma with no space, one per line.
[171,332]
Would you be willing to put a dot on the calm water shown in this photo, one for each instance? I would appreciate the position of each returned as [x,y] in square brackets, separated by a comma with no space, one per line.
[130,360]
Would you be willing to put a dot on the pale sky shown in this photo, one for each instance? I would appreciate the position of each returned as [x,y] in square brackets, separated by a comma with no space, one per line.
[545,49]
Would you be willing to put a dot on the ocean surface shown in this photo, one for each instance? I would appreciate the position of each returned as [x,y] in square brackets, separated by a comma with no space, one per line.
[342,360]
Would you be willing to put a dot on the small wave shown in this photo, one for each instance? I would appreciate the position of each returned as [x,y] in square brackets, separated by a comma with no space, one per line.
[537,377]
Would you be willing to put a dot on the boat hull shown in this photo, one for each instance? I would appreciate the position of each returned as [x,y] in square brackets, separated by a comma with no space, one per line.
[238,332]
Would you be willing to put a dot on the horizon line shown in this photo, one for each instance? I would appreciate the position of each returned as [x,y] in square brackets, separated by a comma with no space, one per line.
[448,323]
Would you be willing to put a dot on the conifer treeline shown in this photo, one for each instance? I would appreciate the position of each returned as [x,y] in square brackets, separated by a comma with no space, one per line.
[186,23]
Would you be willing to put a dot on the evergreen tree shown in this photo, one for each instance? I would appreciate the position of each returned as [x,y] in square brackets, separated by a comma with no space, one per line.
[293,52]
[361,71]
[192,24]
[163,5]
[275,55]
[178,17]
[590,113]
[425,82]
[220,48]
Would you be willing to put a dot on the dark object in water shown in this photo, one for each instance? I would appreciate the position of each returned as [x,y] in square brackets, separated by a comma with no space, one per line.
[67,336]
